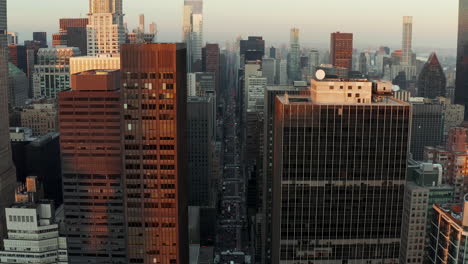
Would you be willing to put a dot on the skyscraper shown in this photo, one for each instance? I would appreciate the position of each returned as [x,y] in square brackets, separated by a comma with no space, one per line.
[252,49]
[427,125]
[211,63]
[431,80]
[335,153]
[341,50]
[7,170]
[267,176]
[92,167]
[52,71]
[192,29]
[294,56]
[141,25]
[153,137]
[407,40]
[201,120]
[72,34]
[41,38]
[105,28]
[461,85]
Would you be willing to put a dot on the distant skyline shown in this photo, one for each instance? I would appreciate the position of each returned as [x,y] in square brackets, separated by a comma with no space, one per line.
[373,22]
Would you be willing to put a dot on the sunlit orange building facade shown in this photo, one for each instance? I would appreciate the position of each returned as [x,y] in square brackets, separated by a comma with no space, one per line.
[154,152]
[90,142]
[341,50]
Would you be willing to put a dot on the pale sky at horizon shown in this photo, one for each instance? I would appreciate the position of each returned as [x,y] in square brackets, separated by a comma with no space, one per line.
[373,22]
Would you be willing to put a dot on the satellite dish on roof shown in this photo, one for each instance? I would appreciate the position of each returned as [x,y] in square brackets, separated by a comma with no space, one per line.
[320,75]
[395,88]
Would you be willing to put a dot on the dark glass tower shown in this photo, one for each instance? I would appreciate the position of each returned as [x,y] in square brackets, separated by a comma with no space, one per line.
[461,85]
[432,81]
[7,170]
[155,156]
[339,174]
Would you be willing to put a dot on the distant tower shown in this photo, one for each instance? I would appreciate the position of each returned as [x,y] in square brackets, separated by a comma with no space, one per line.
[407,40]
[7,170]
[294,56]
[192,28]
[106,28]
[461,86]
[153,28]
[432,81]
[341,50]
[141,26]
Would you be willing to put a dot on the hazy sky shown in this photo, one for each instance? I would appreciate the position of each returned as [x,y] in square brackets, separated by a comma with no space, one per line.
[374,22]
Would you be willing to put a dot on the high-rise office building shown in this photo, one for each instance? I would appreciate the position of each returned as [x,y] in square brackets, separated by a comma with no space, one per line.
[341,50]
[313,62]
[72,34]
[18,86]
[12,38]
[272,52]
[201,123]
[431,80]
[424,189]
[211,63]
[154,136]
[269,70]
[192,31]
[461,85]
[449,233]
[105,29]
[332,162]
[52,71]
[266,183]
[252,49]
[427,125]
[141,24]
[7,170]
[18,56]
[91,161]
[201,84]
[41,38]
[294,56]
[153,28]
[407,54]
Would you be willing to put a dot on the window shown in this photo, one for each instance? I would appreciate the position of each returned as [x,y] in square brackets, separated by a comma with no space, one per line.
[357,95]
[331,87]
[350,95]
[350,87]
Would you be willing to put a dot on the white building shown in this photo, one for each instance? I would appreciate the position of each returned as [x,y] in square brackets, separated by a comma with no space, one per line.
[52,71]
[105,30]
[100,62]
[33,233]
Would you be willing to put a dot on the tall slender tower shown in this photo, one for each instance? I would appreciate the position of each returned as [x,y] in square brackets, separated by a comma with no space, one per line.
[407,40]
[154,152]
[461,86]
[7,169]
[106,30]
[192,28]
[141,26]
[294,56]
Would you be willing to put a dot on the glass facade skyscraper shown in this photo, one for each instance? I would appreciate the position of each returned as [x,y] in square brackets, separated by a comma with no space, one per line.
[339,174]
